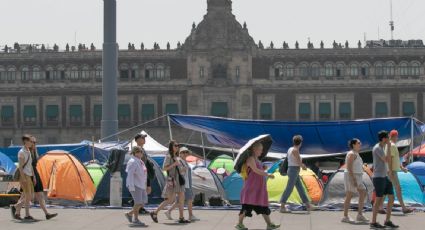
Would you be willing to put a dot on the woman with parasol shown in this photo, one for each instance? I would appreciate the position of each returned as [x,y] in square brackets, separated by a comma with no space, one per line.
[254,195]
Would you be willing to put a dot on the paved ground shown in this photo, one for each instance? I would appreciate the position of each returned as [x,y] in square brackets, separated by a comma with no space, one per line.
[105,219]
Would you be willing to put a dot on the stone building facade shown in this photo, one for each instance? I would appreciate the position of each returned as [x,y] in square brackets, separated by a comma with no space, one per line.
[219,70]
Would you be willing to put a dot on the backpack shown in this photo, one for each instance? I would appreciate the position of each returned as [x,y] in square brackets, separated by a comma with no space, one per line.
[283,167]
[244,171]
[199,199]
[215,201]
[150,169]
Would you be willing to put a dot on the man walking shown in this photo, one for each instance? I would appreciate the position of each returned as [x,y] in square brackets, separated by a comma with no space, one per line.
[140,140]
[381,182]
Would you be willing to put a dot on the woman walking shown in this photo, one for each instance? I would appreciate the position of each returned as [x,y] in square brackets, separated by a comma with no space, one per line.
[175,183]
[136,184]
[294,180]
[353,181]
[254,195]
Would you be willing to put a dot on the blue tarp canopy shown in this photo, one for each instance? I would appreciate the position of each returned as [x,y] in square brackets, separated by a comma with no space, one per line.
[7,164]
[319,137]
[82,151]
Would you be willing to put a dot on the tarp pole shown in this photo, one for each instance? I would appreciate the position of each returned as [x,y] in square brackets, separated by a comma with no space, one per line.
[169,127]
[92,141]
[203,150]
[411,140]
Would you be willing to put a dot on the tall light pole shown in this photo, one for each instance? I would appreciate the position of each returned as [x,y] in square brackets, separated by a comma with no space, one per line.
[109,123]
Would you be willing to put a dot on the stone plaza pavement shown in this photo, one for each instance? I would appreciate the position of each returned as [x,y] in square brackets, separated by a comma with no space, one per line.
[114,219]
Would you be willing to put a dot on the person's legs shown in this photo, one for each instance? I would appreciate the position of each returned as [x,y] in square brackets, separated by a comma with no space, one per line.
[181,204]
[292,176]
[376,205]
[267,219]
[301,191]
[398,192]
[40,198]
[135,211]
[389,207]
[167,201]
[362,197]
[347,202]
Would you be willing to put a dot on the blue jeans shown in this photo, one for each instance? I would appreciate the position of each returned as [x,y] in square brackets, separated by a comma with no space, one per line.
[294,180]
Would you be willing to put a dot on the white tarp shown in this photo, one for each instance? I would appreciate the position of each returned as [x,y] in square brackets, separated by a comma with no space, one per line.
[152,147]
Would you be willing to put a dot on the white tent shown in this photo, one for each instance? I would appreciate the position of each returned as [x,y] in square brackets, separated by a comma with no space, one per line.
[152,147]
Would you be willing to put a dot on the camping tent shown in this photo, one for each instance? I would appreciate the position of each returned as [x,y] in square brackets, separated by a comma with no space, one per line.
[65,177]
[103,190]
[419,151]
[410,189]
[211,186]
[152,147]
[418,169]
[232,186]
[334,192]
[7,164]
[222,161]
[276,186]
[96,172]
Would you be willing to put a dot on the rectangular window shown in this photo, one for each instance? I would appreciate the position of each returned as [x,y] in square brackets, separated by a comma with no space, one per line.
[48,75]
[325,111]
[381,109]
[62,74]
[124,112]
[133,74]
[52,113]
[75,113]
[304,111]
[124,74]
[97,113]
[219,109]
[364,71]
[148,112]
[266,111]
[345,110]
[408,108]
[30,113]
[171,108]
[7,113]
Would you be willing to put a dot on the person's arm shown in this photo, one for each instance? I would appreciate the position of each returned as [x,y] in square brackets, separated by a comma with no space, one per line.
[251,164]
[350,160]
[389,155]
[131,169]
[168,165]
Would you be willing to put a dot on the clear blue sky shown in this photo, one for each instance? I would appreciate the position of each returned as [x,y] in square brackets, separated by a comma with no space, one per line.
[57,21]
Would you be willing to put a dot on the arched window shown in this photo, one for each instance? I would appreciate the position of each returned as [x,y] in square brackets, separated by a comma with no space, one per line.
[329,70]
[73,74]
[364,70]
[11,73]
[354,70]
[25,74]
[85,72]
[379,69]
[315,70]
[149,72]
[340,69]
[278,70]
[303,70]
[415,69]
[134,71]
[98,72]
[160,72]
[289,70]
[49,73]
[36,73]
[404,69]
[2,73]
[389,69]
[61,75]
[124,72]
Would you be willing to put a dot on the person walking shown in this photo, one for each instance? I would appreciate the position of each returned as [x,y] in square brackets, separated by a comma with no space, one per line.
[353,182]
[188,192]
[175,183]
[136,184]
[381,181]
[140,140]
[26,180]
[294,180]
[254,195]
[395,167]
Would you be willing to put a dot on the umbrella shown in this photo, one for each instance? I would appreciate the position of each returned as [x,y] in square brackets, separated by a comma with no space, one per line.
[244,152]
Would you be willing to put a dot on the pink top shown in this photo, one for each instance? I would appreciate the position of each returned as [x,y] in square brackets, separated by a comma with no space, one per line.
[254,191]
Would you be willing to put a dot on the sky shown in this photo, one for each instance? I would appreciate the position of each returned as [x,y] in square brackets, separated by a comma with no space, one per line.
[148,21]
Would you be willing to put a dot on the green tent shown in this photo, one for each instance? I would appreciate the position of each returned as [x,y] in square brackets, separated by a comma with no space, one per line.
[276,186]
[96,172]
[222,161]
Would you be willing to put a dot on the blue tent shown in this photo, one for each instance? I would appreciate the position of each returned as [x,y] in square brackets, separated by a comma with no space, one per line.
[159,159]
[232,186]
[418,169]
[7,164]
[319,137]
[411,190]
[82,151]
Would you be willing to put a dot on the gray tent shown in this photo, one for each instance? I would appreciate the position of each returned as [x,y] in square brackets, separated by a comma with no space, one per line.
[334,193]
[210,187]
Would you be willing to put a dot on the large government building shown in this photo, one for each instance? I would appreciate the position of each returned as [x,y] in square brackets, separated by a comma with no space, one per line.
[219,70]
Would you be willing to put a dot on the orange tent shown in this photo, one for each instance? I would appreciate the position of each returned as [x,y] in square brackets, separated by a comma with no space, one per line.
[65,177]
[313,185]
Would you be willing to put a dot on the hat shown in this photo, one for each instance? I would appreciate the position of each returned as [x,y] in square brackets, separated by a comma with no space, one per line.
[139,135]
[184,149]
[393,133]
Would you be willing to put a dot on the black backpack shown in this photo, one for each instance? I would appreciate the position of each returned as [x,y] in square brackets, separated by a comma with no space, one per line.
[283,167]
[150,168]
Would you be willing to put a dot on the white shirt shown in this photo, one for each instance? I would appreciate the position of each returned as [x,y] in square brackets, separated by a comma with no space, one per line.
[26,155]
[136,174]
[357,163]
[291,159]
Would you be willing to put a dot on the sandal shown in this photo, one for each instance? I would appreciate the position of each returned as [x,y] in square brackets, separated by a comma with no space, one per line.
[183,221]
[154,217]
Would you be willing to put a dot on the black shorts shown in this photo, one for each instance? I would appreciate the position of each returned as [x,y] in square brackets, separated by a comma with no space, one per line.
[383,186]
[248,208]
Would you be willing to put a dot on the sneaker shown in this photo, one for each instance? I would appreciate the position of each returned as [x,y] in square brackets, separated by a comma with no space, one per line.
[273,226]
[129,218]
[376,226]
[194,218]
[362,219]
[241,227]
[50,216]
[347,219]
[154,217]
[168,215]
[29,218]
[137,222]
[390,224]
[283,209]
[407,211]
[183,221]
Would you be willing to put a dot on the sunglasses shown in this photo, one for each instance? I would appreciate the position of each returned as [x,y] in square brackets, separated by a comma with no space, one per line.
[176,145]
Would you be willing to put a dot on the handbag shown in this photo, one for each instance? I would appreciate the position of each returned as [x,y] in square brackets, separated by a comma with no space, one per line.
[17,175]
[182,181]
